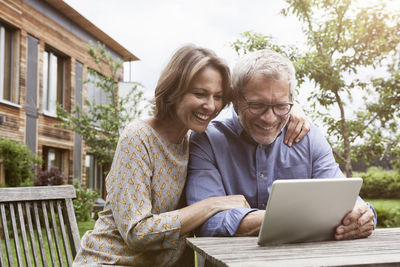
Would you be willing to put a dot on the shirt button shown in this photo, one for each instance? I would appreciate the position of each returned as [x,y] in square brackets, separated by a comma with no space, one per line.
[261,175]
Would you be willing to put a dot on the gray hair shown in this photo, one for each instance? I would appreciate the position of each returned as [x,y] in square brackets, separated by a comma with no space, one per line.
[270,64]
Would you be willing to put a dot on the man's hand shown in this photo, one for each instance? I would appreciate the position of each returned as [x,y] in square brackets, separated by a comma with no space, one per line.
[298,126]
[358,223]
[250,224]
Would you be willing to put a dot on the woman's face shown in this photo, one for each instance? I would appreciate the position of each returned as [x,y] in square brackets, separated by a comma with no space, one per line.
[202,102]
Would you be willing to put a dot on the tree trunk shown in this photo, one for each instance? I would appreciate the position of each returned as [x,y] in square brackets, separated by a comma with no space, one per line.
[346,142]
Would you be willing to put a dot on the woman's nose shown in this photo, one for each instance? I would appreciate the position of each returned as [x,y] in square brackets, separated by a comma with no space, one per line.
[210,104]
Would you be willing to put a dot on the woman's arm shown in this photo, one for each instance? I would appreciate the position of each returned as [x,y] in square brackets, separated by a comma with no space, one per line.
[194,215]
[298,126]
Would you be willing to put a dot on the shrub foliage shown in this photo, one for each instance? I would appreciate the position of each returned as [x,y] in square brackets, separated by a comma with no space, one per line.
[379,183]
[49,177]
[83,204]
[388,217]
[19,162]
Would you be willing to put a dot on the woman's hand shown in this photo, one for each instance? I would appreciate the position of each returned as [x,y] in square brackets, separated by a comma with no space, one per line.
[228,202]
[194,215]
[297,127]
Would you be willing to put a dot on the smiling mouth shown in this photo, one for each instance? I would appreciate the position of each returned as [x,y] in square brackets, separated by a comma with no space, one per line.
[266,128]
[201,116]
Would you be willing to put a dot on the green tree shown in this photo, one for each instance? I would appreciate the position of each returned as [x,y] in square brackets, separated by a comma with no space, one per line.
[388,107]
[343,42]
[100,124]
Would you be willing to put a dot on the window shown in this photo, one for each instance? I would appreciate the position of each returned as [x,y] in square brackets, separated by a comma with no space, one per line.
[53,157]
[6,63]
[53,81]
[96,95]
[94,174]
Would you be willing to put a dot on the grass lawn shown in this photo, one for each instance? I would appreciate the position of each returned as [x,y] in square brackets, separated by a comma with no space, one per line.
[85,226]
[82,226]
[384,203]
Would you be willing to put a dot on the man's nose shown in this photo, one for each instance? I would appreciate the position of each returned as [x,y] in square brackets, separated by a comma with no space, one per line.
[268,116]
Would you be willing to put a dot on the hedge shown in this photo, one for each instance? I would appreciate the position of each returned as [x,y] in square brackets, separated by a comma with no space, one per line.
[388,217]
[379,183]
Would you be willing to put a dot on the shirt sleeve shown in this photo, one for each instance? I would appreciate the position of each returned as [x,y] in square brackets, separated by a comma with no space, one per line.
[323,162]
[130,196]
[204,180]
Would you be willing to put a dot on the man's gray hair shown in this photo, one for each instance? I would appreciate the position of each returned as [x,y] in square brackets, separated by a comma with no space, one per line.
[270,64]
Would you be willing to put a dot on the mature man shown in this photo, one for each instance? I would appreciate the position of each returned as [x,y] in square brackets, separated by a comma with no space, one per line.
[244,154]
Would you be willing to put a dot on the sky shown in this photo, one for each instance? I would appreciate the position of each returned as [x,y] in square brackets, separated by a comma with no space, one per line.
[153,29]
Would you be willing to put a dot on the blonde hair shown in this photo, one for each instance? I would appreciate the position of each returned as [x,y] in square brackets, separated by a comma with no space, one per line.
[178,75]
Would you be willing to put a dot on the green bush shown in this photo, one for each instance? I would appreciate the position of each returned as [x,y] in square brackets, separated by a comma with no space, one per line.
[83,204]
[19,162]
[388,217]
[379,183]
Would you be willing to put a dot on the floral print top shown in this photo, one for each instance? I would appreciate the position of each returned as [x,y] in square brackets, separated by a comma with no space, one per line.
[140,224]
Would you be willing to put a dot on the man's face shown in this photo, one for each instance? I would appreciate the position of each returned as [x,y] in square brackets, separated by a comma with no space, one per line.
[263,128]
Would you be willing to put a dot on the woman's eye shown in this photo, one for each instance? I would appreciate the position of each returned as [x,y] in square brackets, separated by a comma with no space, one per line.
[218,97]
[199,94]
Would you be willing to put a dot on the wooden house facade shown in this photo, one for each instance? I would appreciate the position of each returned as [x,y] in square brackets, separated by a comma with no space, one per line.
[43,62]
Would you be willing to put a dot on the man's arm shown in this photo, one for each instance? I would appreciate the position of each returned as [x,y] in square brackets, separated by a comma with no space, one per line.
[251,224]
[361,221]
[204,180]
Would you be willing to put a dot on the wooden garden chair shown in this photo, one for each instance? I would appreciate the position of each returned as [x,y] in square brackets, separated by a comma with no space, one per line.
[38,226]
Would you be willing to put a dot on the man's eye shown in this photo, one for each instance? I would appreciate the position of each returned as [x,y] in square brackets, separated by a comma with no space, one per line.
[257,106]
[282,107]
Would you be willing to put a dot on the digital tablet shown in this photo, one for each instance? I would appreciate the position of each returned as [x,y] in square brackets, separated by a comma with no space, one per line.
[300,210]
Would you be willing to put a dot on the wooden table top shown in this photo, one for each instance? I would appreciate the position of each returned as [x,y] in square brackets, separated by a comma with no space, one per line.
[382,248]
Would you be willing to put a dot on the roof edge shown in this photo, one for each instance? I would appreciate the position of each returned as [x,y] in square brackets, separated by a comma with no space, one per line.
[80,20]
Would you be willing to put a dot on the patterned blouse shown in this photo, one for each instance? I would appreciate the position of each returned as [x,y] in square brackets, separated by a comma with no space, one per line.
[140,224]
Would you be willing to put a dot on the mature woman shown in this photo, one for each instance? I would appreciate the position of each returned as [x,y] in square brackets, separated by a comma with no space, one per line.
[144,222]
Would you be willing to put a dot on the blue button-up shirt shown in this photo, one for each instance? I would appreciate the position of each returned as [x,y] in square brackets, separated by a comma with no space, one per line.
[225,161]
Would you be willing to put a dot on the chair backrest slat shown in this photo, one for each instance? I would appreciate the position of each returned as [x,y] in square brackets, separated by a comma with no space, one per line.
[43,226]
[28,208]
[6,235]
[63,233]
[72,224]
[55,232]
[16,237]
[2,262]
[39,233]
[48,234]
[23,234]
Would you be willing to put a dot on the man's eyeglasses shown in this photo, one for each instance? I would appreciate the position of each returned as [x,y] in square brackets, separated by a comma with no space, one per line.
[259,108]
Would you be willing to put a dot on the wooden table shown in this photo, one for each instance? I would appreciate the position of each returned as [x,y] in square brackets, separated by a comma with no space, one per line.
[382,248]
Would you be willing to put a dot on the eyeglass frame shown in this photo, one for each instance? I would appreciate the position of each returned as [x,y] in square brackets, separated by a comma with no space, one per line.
[267,106]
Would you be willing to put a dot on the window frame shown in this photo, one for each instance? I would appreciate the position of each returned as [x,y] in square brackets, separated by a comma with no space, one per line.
[94,175]
[48,91]
[46,160]
[13,64]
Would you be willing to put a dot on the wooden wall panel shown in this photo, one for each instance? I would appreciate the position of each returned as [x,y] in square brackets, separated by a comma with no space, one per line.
[12,127]
[28,20]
